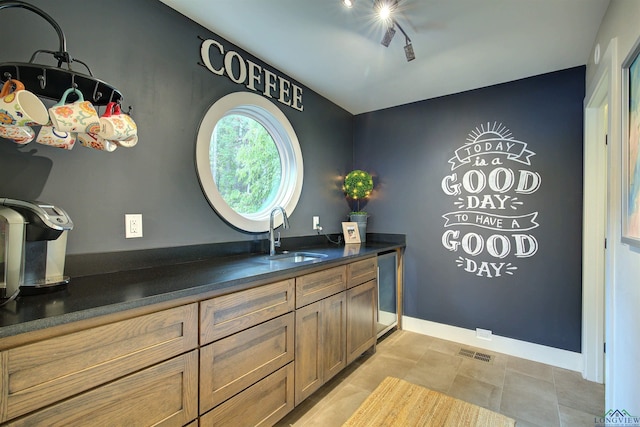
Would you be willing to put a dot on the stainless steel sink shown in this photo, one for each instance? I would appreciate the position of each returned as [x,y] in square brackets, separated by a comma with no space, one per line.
[295,257]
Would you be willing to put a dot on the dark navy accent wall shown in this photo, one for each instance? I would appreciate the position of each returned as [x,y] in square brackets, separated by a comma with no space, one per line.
[151,54]
[518,272]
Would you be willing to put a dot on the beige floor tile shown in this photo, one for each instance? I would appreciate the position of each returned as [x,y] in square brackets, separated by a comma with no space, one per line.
[577,393]
[570,417]
[476,392]
[482,371]
[408,345]
[447,347]
[530,399]
[525,423]
[434,370]
[304,412]
[339,408]
[379,366]
[528,367]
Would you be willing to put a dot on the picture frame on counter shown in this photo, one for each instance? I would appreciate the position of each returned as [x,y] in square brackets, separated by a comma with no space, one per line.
[351,232]
[631,147]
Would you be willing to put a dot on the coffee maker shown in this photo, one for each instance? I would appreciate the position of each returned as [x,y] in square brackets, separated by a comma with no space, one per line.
[33,244]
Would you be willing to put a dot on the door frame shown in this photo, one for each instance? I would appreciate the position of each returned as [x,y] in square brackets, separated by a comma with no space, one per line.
[596,266]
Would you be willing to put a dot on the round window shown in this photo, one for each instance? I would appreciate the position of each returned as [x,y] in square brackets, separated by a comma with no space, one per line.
[248,161]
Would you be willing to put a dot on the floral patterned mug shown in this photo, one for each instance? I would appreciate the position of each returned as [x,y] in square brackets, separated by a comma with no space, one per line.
[79,116]
[116,126]
[19,107]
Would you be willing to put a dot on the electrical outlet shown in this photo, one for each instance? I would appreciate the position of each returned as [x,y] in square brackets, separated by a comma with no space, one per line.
[483,334]
[132,225]
[316,222]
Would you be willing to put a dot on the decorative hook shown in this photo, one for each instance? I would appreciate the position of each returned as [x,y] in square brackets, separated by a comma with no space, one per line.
[96,94]
[73,81]
[43,79]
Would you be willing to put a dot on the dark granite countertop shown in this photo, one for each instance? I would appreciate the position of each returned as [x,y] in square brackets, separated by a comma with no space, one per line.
[111,292]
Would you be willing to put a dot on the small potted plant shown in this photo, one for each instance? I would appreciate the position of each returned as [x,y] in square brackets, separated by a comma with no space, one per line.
[358,186]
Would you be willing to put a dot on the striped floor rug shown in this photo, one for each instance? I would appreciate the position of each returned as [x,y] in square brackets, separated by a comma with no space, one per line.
[396,402]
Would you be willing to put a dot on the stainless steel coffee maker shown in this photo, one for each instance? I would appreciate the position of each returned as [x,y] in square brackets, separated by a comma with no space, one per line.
[33,244]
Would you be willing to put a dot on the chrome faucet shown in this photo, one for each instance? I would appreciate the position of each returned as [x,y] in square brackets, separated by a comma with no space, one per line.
[273,244]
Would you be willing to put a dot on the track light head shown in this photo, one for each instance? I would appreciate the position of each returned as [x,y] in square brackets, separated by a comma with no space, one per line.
[388,35]
[408,51]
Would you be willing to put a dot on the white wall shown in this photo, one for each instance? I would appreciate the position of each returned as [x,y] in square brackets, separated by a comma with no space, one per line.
[623,303]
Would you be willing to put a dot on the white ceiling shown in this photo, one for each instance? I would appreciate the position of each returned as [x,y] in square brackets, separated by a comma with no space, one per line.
[459,44]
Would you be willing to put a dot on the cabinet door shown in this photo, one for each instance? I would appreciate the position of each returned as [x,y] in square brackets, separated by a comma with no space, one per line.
[163,395]
[309,352]
[334,335]
[361,319]
[232,364]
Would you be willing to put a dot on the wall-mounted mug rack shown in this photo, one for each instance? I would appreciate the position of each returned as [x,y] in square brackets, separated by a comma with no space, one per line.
[51,82]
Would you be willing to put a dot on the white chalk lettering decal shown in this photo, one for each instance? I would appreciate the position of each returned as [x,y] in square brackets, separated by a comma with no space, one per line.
[488,186]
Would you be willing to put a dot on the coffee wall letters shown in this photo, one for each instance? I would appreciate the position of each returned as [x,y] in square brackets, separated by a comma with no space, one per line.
[250,74]
[489,196]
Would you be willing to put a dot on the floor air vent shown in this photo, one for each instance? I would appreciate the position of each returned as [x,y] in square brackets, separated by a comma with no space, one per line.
[483,357]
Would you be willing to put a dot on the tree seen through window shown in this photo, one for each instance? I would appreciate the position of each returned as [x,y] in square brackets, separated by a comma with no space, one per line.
[245,163]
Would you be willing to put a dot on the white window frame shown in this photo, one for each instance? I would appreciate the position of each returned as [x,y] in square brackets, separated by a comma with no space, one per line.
[276,123]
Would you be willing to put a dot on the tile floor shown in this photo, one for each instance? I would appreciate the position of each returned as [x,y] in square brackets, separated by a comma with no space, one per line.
[534,394]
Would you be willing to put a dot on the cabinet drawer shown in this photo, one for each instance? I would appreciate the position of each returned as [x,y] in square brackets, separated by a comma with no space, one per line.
[228,314]
[262,404]
[231,364]
[316,286]
[163,395]
[362,271]
[44,372]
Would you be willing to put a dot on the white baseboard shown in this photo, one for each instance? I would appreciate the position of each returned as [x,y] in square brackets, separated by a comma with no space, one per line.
[526,350]
[387,318]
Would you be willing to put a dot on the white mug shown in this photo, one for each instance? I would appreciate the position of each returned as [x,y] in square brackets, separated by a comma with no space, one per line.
[116,126]
[19,134]
[96,142]
[79,116]
[20,107]
[49,135]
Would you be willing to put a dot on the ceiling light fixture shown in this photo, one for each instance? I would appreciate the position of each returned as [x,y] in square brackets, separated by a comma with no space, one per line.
[408,47]
[385,9]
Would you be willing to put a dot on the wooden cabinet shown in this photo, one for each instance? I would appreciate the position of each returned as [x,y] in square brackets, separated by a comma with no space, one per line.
[362,308]
[320,343]
[165,394]
[242,359]
[45,372]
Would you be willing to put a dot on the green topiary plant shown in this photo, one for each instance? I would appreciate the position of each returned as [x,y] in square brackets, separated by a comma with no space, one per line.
[358,185]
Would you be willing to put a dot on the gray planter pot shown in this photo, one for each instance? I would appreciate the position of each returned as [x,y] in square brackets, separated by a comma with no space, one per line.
[361,220]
